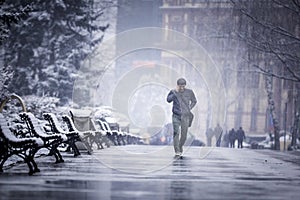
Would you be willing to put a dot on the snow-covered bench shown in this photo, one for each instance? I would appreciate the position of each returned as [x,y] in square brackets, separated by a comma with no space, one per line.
[101,136]
[57,128]
[51,140]
[86,137]
[118,137]
[25,148]
[111,135]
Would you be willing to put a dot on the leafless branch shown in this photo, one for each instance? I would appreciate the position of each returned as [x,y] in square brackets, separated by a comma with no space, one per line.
[297,11]
[296,77]
[263,71]
[276,29]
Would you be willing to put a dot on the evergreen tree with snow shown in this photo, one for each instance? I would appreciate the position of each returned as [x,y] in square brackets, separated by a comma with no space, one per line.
[46,49]
[9,15]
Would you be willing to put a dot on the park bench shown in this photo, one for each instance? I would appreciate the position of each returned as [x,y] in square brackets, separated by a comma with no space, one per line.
[87,137]
[133,139]
[117,137]
[25,148]
[122,138]
[83,121]
[56,127]
[112,135]
[101,135]
[129,138]
[51,140]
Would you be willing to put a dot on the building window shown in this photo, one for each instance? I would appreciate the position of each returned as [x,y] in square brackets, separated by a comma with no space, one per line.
[238,116]
[247,79]
[253,120]
[177,27]
[176,18]
[254,80]
[227,77]
[241,79]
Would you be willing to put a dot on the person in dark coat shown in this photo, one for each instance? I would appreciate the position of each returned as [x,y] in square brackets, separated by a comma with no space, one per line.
[218,133]
[225,142]
[232,138]
[240,137]
[209,134]
[183,100]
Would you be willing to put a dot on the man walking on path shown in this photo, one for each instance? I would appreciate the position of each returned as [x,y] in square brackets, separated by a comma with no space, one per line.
[183,101]
[232,137]
[218,133]
[240,137]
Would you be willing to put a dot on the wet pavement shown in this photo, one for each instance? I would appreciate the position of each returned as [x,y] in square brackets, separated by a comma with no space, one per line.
[151,172]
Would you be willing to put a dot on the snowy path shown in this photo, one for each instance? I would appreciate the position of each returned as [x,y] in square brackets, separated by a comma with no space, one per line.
[150,172]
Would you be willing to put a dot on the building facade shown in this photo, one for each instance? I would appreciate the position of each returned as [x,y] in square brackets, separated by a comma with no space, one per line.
[211,24]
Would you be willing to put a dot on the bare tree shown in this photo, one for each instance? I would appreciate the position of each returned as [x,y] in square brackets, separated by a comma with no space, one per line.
[271,30]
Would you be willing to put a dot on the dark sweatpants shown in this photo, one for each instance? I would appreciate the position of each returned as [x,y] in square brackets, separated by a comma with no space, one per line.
[180,127]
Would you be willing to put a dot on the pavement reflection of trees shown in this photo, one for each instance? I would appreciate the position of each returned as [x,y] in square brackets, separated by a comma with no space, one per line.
[180,188]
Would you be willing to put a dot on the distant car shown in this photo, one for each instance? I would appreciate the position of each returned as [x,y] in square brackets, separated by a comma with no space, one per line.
[269,142]
[254,141]
[197,142]
[160,139]
[246,145]
[265,144]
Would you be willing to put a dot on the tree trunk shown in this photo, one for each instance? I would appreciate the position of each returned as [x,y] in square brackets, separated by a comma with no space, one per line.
[271,104]
[296,126]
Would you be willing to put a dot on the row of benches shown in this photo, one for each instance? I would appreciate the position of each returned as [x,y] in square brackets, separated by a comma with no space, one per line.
[26,141]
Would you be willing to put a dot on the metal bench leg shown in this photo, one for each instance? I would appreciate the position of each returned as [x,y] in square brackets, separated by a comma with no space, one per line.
[89,148]
[76,151]
[85,141]
[31,158]
[53,152]
[27,160]
[2,163]
[99,141]
[60,159]
[35,167]
[74,148]
[106,141]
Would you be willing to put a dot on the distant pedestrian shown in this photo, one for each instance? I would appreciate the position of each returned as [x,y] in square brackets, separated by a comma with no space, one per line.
[232,138]
[209,134]
[218,134]
[225,142]
[183,101]
[240,137]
